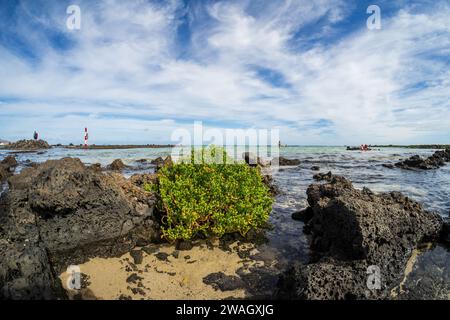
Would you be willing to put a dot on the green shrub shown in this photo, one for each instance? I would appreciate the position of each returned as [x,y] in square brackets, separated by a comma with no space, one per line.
[212,198]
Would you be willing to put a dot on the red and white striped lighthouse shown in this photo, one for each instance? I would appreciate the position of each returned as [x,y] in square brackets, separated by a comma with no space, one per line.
[86,137]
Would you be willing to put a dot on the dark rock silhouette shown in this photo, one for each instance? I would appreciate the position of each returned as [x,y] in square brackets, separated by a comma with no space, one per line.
[29,145]
[63,213]
[281,161]
[437,160]
[352,231]
[116,165]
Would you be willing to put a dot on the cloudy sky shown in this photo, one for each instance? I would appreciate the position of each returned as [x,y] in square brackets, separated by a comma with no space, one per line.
[138,70]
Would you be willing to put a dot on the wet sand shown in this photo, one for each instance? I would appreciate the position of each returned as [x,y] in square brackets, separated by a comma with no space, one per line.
[395,292]
[172,278]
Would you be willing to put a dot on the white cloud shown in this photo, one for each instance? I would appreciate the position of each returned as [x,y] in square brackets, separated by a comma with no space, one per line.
[125,62]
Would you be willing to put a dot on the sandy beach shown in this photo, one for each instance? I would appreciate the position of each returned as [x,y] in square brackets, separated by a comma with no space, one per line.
[166,274]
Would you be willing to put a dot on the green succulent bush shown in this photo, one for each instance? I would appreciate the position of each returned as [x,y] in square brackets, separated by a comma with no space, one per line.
[211,198]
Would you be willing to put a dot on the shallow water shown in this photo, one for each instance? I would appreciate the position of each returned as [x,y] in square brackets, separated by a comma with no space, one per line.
[287,242]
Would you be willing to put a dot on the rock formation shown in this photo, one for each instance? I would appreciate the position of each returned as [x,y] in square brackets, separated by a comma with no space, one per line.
[29,145]
[281,161]
[354,232]
[438,159]
[116,165]
[62,213]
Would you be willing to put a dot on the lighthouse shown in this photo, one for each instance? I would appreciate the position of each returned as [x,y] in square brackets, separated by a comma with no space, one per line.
[86,137]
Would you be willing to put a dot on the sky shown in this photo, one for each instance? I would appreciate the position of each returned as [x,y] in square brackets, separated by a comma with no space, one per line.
[136,71]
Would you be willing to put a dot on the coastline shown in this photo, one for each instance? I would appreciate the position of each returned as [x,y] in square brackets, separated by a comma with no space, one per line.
[118,147]
[161,273]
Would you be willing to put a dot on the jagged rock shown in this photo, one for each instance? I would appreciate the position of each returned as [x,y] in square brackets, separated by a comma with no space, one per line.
[162,256]
[281,161]
[303,215]
[29,145]
[160,162]
[157,161]
[134,278]
[323,176]
[315,168]
[72,213]
[268,181]
[445,235]
[388,165]
[141,180]
[116,165]
[7,166]
[137,256]
[352,230]
[221,281]
[25,271]
[252,160]
[96,167]
[438,159]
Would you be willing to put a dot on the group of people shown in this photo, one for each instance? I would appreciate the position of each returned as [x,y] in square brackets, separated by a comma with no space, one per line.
[364,147]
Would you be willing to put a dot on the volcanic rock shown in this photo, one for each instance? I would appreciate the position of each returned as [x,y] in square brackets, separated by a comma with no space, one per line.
[141,180]
[162,162]
[116,165]
[223,282]
[29,145]
[323,176]
[66,213]
[438,159]
[281,161]
[355,231]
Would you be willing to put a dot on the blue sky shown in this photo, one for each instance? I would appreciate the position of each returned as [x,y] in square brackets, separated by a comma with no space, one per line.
[138,70]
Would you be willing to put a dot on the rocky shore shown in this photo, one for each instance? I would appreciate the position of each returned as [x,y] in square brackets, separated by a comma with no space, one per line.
[437,160]
[353,233]
[62,212]
[28,145]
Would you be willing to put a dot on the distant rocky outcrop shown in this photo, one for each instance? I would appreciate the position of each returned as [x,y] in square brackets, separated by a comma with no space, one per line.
[29,145]
[353,234]
[162,162]
[437,160]
[281,161]
[116,165]
[62,212]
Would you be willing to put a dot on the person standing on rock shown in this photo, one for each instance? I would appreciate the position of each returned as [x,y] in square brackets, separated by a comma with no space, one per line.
[86,137]
[35,135]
